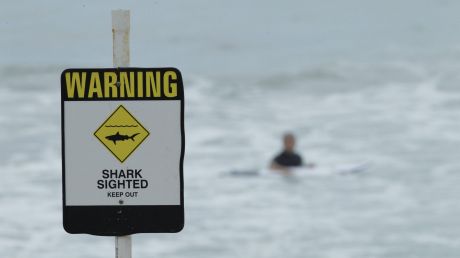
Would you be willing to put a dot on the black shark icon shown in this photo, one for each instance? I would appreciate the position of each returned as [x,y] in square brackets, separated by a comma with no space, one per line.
[120,137]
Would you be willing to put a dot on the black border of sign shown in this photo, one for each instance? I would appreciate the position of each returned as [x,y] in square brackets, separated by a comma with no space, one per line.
[124,219]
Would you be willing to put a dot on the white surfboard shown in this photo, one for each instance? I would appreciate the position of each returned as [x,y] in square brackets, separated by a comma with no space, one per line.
[342,169]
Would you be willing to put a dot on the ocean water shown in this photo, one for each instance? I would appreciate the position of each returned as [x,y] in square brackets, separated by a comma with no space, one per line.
[356,81]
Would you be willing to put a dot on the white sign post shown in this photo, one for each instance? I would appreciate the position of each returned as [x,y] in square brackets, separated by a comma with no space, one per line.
[120,31]
[123,146]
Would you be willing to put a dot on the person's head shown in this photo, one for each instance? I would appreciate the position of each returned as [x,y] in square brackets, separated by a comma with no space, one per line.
[289,141]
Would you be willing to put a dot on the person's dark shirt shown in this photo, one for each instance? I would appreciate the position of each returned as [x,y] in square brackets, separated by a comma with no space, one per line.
[288,159]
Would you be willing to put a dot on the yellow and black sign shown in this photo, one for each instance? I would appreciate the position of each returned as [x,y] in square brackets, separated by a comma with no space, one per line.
[123,142]
[121,84]
[121,133]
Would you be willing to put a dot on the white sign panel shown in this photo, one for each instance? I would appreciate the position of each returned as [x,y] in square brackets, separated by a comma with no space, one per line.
[123,148]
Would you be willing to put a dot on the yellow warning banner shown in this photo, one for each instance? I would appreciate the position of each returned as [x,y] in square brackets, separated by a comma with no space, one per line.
[122,84]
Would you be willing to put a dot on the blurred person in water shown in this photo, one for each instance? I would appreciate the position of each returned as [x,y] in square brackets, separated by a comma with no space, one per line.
[288,158]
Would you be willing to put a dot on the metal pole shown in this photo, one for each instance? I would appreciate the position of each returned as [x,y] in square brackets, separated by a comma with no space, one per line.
[120,32]
[123,246]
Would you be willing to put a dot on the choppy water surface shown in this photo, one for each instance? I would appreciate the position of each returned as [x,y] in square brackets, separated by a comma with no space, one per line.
[399,113]
[405,206]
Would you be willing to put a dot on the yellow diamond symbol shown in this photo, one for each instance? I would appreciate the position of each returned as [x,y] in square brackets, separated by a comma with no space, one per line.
[121,133]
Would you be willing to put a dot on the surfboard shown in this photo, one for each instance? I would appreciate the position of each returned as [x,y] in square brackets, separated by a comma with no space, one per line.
[342,169]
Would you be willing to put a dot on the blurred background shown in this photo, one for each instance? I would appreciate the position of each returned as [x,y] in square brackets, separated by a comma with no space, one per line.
[356,81]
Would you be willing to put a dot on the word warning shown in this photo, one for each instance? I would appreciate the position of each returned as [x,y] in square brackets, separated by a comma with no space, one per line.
[122,150]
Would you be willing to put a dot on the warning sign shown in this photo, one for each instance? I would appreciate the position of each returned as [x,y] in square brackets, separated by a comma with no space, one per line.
[131,136]
[123,150]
